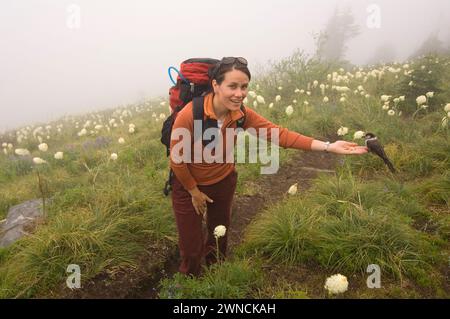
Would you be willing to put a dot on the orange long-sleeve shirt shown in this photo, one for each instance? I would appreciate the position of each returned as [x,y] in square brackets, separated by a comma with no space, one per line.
[193,174]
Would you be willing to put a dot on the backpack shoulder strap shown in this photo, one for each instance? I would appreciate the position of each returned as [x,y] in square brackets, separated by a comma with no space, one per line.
[197,108]
[241,121]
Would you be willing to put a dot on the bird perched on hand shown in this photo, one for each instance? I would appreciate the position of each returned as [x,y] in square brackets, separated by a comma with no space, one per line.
[375,147]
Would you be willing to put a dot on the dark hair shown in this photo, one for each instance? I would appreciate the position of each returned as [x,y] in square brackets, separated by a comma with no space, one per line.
[218,71]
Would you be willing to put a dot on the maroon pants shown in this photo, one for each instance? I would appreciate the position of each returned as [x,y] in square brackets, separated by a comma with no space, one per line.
[193,244]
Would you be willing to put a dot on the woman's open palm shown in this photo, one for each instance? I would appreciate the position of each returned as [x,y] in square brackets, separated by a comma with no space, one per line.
[347,148]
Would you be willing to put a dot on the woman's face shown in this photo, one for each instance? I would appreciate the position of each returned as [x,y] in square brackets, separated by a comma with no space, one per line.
[233,90]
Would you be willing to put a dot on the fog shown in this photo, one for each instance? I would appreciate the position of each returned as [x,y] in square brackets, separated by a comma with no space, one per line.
[69,57]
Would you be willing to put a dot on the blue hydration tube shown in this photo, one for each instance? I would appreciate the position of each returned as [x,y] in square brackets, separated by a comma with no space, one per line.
[181,75]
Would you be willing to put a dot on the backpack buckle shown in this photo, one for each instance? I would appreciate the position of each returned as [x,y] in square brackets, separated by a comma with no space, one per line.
[167,188]
[192,87]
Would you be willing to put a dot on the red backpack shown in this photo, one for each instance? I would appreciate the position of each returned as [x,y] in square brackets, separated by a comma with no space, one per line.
[192,81]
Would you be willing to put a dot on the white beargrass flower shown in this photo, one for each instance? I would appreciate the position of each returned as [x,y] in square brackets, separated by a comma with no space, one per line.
[280,88]
[385,98]
[5,151]
[336,284]
[121,140]
[270,105]
[4,145]
[82,132]
[38,160]
[289,110]
[293,189]
[305,102]
[297,91]
[43,147]
[342,99]
[424,106]
[385,107]
[22,151]
[391,112]
[325,99]
[278,98]
[294,101]
[162,116]
[220,231]
[421,100]
[98,127]
[429,94]
[252,94]
[358,135]
[255,104]
[260,99]
[342,131]
[411,83]
[131,130]
[113,156]
[59,155]
[401,98]
[396,100]
[245,101]
[447,107]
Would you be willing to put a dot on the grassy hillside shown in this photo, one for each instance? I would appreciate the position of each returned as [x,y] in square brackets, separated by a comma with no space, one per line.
[105,214]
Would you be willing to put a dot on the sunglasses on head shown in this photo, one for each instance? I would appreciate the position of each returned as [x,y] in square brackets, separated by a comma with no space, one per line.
[226,61]
[232,60]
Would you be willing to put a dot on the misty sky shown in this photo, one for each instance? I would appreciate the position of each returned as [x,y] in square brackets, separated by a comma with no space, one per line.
[121,50]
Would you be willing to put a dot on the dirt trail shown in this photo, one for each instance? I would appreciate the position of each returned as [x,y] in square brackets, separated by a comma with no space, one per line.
[301,169]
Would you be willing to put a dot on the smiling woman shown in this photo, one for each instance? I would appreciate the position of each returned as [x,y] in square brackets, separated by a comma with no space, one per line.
[203,190]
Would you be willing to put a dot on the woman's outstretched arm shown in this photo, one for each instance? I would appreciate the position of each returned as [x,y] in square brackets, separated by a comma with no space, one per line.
[339,147]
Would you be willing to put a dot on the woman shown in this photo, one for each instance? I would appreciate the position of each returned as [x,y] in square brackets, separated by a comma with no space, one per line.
[206,189]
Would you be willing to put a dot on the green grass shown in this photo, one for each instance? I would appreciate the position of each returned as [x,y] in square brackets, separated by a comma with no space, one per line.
[230,280]
[345,225]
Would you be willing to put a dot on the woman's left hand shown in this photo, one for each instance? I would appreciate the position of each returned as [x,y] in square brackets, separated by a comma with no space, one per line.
[347,148]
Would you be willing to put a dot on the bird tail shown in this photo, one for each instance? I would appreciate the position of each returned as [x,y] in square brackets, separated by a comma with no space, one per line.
[389,165]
